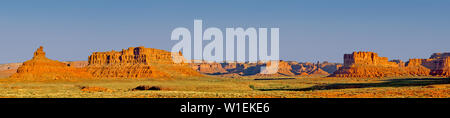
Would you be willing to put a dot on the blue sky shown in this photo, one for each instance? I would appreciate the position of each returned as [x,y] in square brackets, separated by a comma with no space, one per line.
[310,30]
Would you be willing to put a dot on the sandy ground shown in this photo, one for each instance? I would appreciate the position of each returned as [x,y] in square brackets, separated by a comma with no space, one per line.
[220,87]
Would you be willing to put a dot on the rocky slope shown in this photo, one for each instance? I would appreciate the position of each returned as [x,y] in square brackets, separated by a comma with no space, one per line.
[40,67]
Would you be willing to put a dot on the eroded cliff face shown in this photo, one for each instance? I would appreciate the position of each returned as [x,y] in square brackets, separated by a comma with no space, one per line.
[40,67]
[285,68]
[368,64]
[415,67]
[443,67]
[438,64]
[367,59]
[137,62]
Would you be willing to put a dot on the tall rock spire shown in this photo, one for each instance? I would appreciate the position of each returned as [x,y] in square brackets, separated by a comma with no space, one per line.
[40,67]
[39,53]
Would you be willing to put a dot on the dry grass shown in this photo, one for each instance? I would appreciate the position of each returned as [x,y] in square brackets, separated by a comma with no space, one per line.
[218,87]
[94,89]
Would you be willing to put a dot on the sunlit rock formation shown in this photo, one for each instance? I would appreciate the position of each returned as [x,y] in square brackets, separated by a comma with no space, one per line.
[438,64]
[137,62]
[368,64]
[40,67]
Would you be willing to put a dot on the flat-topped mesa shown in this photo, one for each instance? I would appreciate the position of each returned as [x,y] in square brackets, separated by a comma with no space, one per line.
[40,67]
[368,64]
[132,55]
[285,68]
[440,55]
[367,59]
[439,63]
[137,62]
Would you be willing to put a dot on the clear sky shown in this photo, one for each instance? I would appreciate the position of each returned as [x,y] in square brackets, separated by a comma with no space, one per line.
[310,30]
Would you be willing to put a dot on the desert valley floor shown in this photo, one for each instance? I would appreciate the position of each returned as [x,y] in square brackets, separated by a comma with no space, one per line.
[221,87]
[140,72]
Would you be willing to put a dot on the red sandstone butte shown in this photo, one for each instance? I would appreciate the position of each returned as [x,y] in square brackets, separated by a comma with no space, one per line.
[40,67]
[137,62]
[438,64]
[368,64]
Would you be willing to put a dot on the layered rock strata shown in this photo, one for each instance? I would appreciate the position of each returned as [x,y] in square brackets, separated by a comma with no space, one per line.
[369,64]
[137,62]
